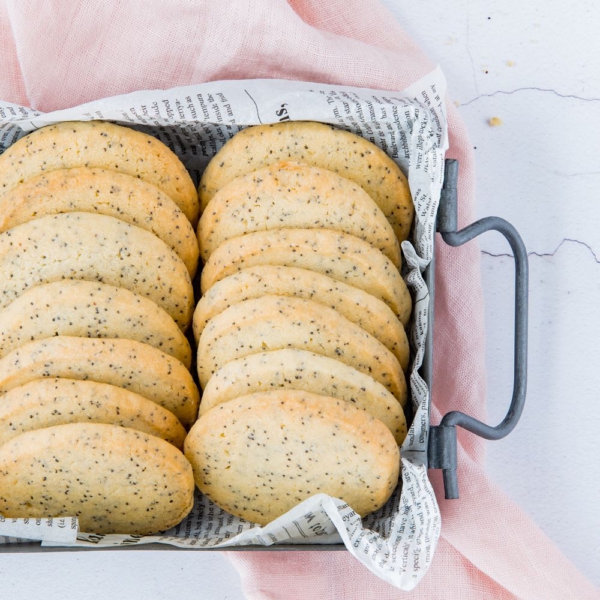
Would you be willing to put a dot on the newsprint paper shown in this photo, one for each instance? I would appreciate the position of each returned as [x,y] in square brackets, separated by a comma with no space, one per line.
[397,542]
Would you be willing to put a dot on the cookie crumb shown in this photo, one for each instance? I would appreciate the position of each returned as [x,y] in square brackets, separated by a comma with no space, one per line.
[495,122]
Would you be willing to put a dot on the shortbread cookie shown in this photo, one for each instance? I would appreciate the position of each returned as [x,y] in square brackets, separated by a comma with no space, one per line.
[356,305]
[292,195]
[114,479]
[94,248]
[92,310]
[338,255]
[101,145]
[106,193]
[131,365]
[49,402]
[259,455]
[321,146]
[277,322]
[293,369]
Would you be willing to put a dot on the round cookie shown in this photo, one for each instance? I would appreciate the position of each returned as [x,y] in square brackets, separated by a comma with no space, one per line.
[358,306]
[49,402]
[131,365]
[318,145]
[259,455]
[101,145]
[293,369]
[277,322]
[114,479]
[91,310]
[291,195]
[103,192]
[338,255]
[94,248]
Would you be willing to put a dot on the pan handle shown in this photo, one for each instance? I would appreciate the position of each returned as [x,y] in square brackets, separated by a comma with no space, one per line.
[442,446]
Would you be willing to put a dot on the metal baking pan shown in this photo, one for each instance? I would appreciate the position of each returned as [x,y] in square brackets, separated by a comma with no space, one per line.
[442,440]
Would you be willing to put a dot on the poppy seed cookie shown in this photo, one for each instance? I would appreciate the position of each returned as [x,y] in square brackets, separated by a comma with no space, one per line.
[103,145]
[340,256]
[94,248]
[49,402]
[92,310]
[259,455]
[277,322]
[358,306]
[114,479]
[102,192]
[292,195]
[318,145]
[293,369]
[131,365]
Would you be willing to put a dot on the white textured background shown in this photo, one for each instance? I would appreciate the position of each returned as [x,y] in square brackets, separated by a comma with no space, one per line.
[536,65]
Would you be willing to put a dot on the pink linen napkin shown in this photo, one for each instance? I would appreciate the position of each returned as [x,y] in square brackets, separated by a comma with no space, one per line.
[55,54]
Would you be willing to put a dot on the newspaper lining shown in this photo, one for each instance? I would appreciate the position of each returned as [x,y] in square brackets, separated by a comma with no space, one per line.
[398,541]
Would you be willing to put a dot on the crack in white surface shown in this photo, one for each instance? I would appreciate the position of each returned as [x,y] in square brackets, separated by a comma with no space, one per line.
[544,254]
[468,47]
[563,173]
[528,89]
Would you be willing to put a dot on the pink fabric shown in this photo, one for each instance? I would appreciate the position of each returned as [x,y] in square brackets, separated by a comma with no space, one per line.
[57,54]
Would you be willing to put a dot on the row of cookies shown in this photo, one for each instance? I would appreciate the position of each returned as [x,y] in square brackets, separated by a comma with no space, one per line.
[300,328]
[97,255]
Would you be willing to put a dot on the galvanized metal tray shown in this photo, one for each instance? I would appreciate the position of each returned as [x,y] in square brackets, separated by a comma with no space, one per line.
[442,445]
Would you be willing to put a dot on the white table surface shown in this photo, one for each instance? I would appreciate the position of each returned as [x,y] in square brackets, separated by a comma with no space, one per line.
[535,65]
